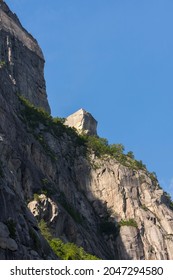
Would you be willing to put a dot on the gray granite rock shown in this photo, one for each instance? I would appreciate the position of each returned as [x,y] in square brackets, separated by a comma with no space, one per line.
[46,174]
[22,58]
[83,122]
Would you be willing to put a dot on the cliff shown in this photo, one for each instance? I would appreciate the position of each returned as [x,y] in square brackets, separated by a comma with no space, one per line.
[23,59]
[86,191]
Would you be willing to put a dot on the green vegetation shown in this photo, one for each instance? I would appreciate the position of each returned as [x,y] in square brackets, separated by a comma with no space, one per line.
[11,224]
[153,178]
[171,205]
[69,251]
[2,63]
[47,193]
[57,120]
[33,117]
[101,147]
[44,230]
[36,197]
[169,200]
[130,222]
[131,155]
[65,251]
[46,147]
[167,195]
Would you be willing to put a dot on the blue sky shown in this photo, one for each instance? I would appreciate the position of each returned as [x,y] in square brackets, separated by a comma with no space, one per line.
[113,58]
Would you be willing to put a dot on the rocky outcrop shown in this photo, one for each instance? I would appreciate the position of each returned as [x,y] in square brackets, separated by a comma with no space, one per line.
[83,122]
[123,208]
[133,197]
[112,209]
[21,56]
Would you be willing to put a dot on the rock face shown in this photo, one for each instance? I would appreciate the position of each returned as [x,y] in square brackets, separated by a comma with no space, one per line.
[111,209]
[83,122]
[5,241]
[22,58]
[132,195]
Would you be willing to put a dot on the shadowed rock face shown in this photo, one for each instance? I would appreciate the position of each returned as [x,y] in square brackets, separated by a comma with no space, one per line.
[83,122]
[45,173]
[22,58]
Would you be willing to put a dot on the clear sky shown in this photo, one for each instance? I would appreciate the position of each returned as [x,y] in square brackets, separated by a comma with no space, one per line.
[113,58]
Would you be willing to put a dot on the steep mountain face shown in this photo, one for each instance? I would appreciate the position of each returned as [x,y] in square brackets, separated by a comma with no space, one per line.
[23,59]
[114,209]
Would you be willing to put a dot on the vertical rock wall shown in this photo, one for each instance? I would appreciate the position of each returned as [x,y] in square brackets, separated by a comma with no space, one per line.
[113,211]
[22,59]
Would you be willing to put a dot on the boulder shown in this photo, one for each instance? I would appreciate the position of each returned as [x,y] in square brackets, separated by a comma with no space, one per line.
[83,122]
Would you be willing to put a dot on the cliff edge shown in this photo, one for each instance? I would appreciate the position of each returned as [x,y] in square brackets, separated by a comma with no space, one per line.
[22,58]
[58,183]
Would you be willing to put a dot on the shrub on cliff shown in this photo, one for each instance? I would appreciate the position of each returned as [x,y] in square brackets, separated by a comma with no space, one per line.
[65,251]
[130,222]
